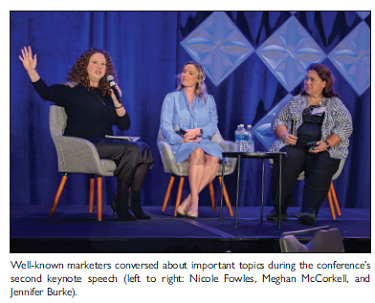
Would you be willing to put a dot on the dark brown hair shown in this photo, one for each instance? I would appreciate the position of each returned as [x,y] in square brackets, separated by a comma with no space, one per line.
[79,74]
[325,74]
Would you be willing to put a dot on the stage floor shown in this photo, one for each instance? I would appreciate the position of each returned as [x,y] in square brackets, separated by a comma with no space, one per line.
[73,229]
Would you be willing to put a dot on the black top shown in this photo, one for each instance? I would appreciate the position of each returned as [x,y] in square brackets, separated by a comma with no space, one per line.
[311,128]
[90,114]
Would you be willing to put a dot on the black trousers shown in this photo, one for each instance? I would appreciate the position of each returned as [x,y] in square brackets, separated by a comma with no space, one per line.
[319,169]
[126,154]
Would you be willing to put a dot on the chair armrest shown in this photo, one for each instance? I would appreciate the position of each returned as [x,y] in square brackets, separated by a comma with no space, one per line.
[77,155]
[227,146]
[167,157]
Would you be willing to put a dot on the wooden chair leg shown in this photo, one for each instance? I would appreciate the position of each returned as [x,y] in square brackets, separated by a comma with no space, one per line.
[58,193]
[91,193]
[100,198]
[212,195]
[330,202]
[226,197]
[179,193]
[168,193]
[335,202]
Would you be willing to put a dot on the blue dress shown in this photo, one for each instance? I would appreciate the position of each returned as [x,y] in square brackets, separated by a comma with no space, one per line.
[176,110]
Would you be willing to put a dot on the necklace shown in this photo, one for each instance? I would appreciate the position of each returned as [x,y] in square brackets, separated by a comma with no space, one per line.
[101,99]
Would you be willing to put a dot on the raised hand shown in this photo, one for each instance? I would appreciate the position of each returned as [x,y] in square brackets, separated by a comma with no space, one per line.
[29,62]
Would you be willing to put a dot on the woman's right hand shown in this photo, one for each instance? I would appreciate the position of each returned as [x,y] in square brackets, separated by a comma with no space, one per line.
[290,139]
[29,63]
[188,139]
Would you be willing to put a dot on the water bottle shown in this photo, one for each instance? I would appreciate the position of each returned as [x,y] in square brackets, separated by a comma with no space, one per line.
[250,139]
[246,140]
[237,137]
[240,138]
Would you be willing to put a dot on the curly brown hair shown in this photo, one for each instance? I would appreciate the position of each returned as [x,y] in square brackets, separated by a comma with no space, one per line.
[79,74]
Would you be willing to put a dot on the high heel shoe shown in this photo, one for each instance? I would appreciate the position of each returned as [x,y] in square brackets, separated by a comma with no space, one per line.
[183,209]
[120,207]
[113,205]
[192,214]
[134,204]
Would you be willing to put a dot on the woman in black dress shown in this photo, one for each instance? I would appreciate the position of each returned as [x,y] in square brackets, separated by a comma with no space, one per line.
[92,109]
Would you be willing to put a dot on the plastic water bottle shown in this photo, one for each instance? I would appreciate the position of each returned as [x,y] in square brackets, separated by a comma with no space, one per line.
[250,147]
[240,138]
[247,141]
[237,138]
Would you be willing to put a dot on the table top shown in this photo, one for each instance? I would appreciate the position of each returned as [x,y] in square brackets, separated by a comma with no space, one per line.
[261,155]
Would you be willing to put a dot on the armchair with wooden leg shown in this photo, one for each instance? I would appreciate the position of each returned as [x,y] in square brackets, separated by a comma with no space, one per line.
[332,199]
[78,156]
[181,170]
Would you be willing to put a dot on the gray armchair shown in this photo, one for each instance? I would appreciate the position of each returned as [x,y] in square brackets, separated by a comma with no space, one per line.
[181,169]
[332,199]
[77,155]
[325,240]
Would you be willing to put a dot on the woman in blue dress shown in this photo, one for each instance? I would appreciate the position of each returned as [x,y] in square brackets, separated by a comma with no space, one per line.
[190,108]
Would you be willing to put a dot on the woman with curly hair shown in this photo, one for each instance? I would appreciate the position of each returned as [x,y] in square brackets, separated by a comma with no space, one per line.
[92,109]
[190,108]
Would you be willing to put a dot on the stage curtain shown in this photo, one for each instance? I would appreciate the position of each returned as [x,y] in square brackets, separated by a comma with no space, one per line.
[145,48]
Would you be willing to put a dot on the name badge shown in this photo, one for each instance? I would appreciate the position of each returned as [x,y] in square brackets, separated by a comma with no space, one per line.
[318,111]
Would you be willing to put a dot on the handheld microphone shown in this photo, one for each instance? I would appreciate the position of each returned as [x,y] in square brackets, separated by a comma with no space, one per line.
[179,131]
[294,122]
[112,83]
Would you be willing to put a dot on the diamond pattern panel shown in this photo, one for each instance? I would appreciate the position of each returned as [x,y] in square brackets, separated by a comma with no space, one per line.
[289,51]
[263,129]
[218,45]
[363,15]
[352,58]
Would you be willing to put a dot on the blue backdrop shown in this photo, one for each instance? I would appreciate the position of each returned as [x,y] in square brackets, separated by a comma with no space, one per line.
[254,61]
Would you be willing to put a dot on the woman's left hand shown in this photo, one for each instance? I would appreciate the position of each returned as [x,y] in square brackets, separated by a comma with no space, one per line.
[120,110]
[113,95]
[192,133]
[320,147]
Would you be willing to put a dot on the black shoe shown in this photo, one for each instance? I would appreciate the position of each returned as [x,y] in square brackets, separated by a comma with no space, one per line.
[134,203]
[120,207]
[308,218]
[274,216]
[299,214]
[113,203]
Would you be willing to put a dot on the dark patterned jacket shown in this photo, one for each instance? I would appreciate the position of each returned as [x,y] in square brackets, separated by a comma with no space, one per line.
[337,120]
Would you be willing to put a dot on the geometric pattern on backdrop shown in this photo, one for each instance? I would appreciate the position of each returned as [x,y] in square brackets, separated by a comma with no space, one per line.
[352,58]
[218,45]
[288,53]
[363,15]
[263,128]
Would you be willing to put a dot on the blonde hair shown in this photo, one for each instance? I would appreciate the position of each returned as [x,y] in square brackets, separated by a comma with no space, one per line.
[200,87]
